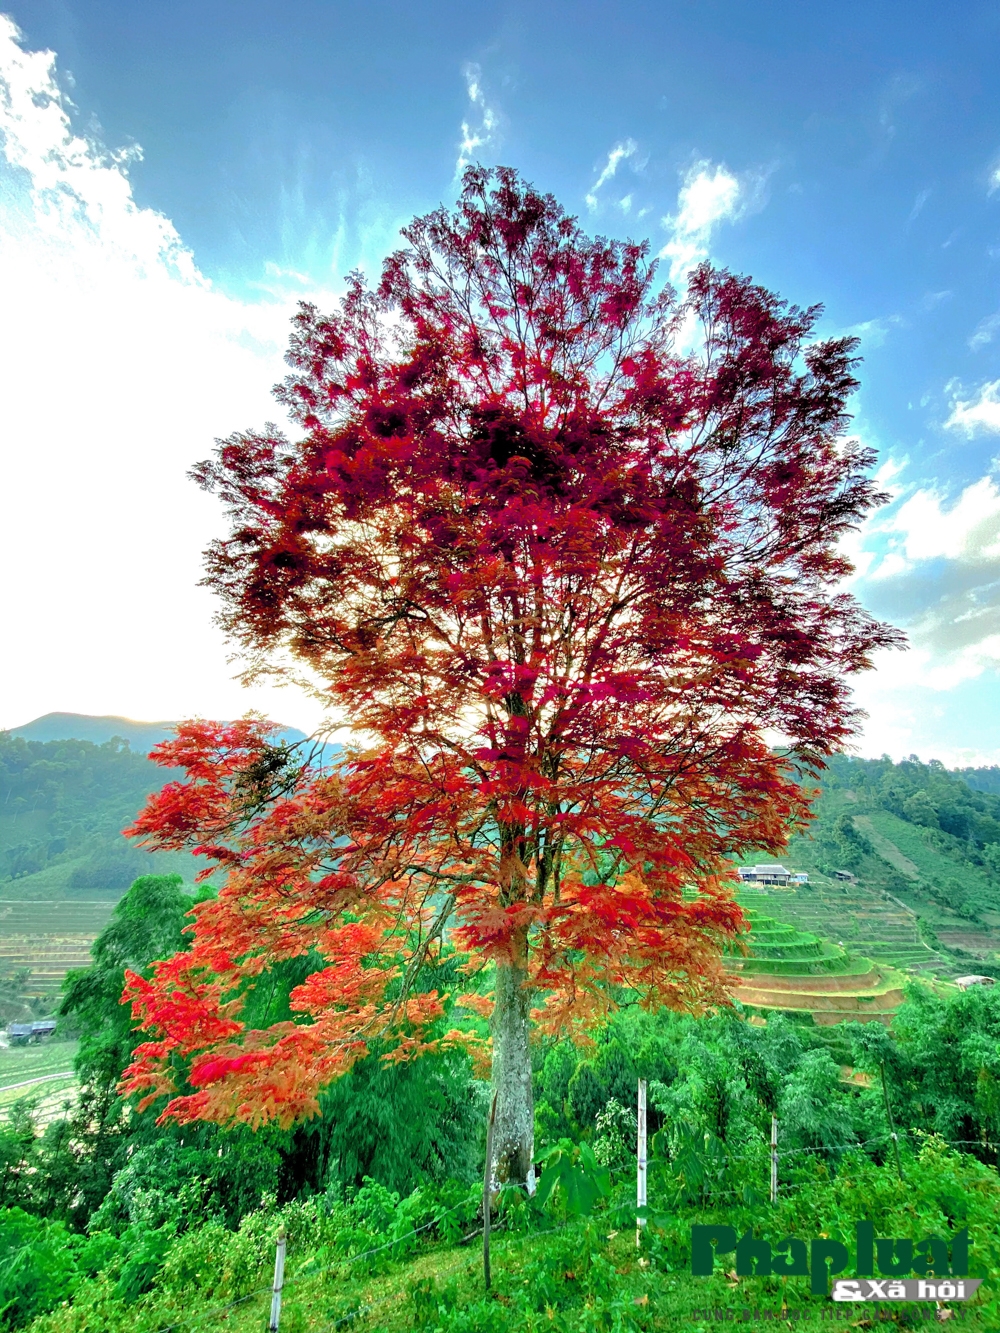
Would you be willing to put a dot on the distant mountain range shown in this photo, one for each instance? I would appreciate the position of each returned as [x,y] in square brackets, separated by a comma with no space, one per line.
[141,736]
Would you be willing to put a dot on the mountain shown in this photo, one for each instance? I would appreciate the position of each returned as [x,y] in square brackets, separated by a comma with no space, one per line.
[141,736]
[69,783]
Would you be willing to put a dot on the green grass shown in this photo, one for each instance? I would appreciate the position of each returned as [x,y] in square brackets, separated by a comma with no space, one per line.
[49,1098]
[53,880]
[54,916]
[42,1074]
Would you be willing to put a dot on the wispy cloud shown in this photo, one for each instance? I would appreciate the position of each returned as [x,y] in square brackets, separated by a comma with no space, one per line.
[482,130]
[873,332]
[986,331]
[918,205]
[710,194]
[900,89]
[620,153]
[120,361]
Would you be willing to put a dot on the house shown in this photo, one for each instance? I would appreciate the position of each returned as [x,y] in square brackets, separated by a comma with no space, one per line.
[21,1033]
[765,874]
[963,983]
[799,877]
[846,876]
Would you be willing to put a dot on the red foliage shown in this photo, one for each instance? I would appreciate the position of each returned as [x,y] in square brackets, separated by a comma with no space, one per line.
[570,581]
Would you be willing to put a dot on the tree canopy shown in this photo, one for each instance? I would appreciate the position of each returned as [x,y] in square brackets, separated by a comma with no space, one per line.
[562,545]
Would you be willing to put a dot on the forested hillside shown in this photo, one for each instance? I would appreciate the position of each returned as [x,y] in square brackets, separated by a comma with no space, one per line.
[63,804]
[911,828]
[106,1207]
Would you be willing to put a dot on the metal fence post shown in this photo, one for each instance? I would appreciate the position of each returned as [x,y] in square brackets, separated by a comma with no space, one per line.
[640,1161]
[892,1128]
[774,1159]
[279,1281]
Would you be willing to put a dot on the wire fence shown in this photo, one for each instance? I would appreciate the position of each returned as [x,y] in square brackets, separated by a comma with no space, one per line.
[347,1262]
[440,1276]
[773,1155]
[342,1262]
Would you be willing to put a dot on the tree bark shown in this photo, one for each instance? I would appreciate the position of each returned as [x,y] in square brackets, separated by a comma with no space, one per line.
[514,1127]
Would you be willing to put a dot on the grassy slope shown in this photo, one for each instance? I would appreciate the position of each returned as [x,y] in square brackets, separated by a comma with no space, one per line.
[53,880]
[930,861]
[578,1277]
[42,1075]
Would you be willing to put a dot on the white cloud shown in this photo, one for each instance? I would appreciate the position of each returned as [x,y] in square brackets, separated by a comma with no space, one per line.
[930,563]
[873,332]
[709,195]
[968,530]
[979,413]
[914,706]
[485,134]
[119,363]
[620,153]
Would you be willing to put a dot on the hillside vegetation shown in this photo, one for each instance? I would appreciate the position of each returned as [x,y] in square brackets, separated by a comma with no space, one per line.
[63,860]
[63,804]
[924,847]
[948,833]
[111,1221]
[923,844]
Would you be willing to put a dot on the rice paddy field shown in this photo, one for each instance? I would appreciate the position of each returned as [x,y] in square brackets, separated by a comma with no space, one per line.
[49,937]
[798,972]
[42,1073]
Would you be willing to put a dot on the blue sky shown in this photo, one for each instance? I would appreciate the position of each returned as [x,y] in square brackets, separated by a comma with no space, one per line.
[173,177]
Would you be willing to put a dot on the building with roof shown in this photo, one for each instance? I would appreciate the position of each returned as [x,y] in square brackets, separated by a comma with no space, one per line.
[765,874]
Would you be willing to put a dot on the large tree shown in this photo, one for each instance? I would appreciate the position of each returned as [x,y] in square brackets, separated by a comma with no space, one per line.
[562,547]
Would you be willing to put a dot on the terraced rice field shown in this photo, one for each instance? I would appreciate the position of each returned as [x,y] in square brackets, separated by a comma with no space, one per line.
[795,971]
[41,1073]
[48,957]
[862,920]
[50,937]
[54,916]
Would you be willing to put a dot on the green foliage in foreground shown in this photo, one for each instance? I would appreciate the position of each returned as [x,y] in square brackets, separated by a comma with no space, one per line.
[110,1221]
[720,1079]
[109,1167]
[553,1267]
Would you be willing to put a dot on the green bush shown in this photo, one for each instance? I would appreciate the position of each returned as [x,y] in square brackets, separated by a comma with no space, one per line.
[37,1266]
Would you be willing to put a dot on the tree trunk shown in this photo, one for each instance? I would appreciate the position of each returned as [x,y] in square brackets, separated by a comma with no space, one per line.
[514,1127]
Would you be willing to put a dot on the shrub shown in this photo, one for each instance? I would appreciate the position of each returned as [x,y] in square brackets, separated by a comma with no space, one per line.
[37,1266]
